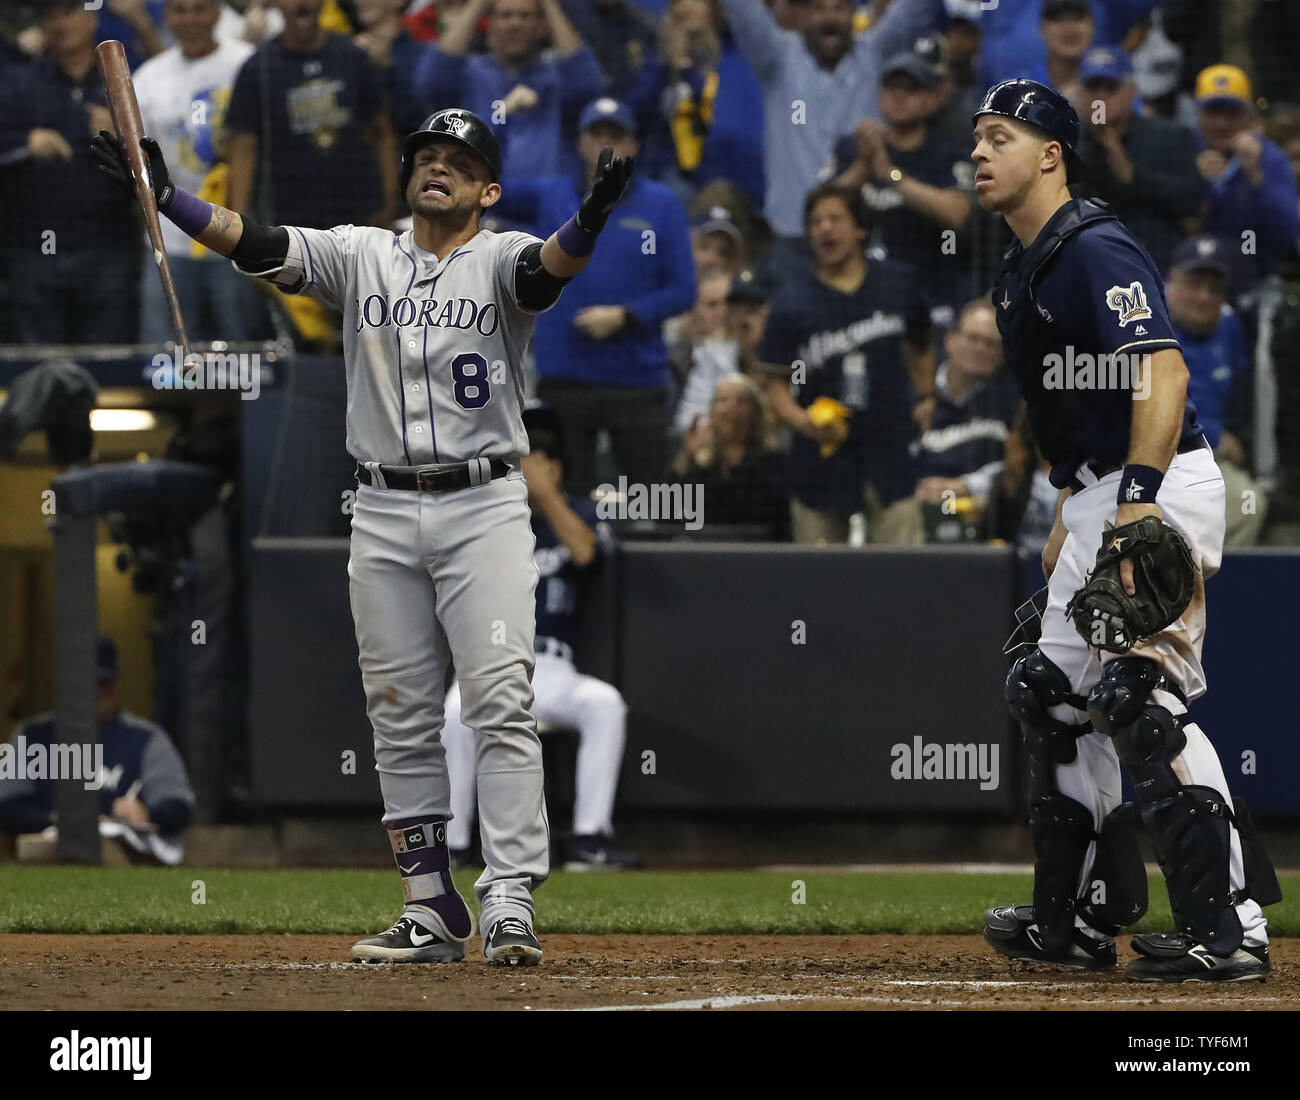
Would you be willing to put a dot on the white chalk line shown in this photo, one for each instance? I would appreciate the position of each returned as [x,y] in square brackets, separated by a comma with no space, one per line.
[744,1000]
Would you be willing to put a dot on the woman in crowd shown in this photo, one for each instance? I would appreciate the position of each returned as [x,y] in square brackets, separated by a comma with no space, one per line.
[730,453]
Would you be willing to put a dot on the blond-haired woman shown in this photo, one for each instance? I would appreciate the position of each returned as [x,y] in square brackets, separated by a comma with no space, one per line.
[732,454]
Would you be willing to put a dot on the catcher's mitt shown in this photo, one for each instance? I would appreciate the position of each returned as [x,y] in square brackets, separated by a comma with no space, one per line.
[1164,578]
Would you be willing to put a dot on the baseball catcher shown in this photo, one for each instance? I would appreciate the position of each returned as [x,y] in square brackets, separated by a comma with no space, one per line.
[1139,527]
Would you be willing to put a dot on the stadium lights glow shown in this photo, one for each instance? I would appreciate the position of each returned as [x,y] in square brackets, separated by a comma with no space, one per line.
[122,420]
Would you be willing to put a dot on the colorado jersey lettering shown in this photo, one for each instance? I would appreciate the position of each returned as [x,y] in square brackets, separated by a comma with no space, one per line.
[433,346]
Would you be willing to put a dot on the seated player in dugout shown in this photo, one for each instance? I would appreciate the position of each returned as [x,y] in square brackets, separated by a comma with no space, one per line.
[571,542]
[848,366]
[145,800]
[1112,668]
[437,322]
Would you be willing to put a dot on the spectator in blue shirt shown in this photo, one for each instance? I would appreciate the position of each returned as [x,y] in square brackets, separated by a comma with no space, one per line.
[529,98]
[816,86]
[1068,30]
[74,232]
[1218,367]
[694,102]
[135,23]
[620,33]
[601,358]
[1252,186]
[1013,43]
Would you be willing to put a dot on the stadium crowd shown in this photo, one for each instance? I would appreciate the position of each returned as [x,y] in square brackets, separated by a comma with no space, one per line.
[791,304]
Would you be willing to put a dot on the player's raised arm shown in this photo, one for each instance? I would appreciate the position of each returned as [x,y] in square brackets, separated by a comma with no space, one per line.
[568,250]
[255,247]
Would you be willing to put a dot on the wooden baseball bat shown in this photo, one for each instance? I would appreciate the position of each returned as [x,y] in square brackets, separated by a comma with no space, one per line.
[125,109]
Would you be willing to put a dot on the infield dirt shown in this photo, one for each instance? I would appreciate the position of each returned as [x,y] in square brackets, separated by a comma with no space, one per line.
[39,971]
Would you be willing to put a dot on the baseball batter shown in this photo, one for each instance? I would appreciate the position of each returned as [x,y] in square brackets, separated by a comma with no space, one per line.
[1085,327]
[436,322]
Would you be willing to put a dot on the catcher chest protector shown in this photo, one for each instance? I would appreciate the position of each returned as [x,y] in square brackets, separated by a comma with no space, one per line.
[1190,826]
[1061,828]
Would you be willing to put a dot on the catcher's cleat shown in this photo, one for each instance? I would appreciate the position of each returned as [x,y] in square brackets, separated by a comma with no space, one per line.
[511,943]
[1010,930]
[1176,959]
[419,936]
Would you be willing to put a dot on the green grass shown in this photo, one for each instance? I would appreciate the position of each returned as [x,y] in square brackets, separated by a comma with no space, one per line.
[103,900]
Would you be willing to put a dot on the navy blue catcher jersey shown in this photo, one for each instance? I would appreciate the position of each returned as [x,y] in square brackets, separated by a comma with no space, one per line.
[1080,310]
[557,595]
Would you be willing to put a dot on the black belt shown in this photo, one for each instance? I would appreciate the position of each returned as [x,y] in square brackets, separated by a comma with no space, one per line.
[444,478]
[1101,469]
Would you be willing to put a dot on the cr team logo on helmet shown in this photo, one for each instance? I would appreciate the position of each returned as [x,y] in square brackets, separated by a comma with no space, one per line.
[459,125]
[1039,106]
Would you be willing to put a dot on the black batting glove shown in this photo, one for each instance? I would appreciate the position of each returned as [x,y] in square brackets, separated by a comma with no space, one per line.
[607,186]
[110,158]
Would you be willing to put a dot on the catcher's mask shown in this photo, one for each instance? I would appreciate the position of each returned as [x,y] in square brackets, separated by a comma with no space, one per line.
[1029,626]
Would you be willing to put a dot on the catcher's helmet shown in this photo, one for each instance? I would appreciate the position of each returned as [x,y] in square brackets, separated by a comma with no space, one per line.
[1039,106]
[458,125]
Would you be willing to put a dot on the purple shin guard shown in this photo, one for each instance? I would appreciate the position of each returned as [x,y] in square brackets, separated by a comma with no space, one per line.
[420,851]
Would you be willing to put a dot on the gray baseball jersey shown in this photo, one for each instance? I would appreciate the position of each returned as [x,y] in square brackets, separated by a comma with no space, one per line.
[433,348]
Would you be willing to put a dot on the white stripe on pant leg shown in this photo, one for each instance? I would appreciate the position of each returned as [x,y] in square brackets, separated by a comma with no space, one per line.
[458,740]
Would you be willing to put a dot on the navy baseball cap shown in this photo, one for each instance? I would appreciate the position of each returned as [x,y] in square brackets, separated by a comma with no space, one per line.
[752,286]
[106,659]
[717,219]
[914,65]
[1104,63]
[1053,9]
[607,109]
[1202,252]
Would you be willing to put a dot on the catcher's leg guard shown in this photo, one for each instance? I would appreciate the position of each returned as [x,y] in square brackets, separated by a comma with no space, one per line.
[1190,826]
[1060,827]
[1116,893]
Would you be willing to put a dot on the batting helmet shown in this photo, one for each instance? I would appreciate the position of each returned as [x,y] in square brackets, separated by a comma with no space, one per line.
[1041,107]
[458,125]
